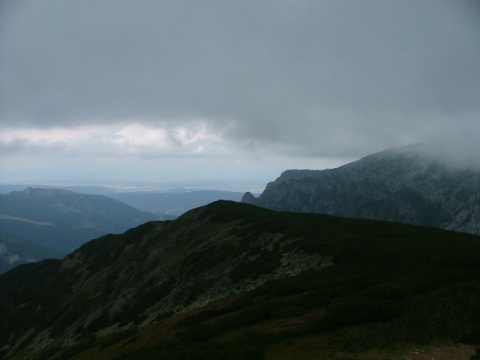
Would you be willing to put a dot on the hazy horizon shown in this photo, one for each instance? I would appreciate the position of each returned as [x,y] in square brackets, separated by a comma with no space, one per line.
[104,187]
[232,93]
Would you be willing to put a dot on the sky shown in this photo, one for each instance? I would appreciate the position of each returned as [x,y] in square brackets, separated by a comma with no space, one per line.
[230,92]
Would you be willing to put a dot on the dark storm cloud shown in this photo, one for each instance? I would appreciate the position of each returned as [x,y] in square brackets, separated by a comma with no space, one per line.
[305,77]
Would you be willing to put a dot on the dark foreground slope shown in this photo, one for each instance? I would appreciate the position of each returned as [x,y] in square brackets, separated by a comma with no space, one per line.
[234,281]
[62,219]
[407,185]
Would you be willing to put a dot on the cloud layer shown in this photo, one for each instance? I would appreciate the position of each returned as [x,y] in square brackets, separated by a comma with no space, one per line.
[299,78]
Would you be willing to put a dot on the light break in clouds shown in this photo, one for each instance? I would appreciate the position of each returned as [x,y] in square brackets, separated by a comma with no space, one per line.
[181,90]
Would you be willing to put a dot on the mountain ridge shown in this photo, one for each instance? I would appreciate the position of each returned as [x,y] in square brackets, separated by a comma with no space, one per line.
[62,219]
[227,269]
[406,185]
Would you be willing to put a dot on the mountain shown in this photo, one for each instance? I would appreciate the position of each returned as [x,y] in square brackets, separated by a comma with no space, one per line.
[87,189]
[173,204]
[15,250]
[167,205]
[63,220]
[405,185]
[235,281]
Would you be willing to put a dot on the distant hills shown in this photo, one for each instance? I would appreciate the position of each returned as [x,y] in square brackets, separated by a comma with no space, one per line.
[15,250]
[235,281]
[173,204]
[51,222]
[405,185]
[62,220]
[87,189]
[167,204]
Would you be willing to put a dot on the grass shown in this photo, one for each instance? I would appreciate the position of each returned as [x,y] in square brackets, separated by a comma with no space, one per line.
[390,286]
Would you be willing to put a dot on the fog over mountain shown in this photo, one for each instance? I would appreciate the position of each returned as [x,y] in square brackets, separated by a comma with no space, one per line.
[370,253]
[408,184]
[156,91]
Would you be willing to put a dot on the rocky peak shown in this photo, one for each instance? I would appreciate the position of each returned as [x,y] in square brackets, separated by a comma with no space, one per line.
[406,185]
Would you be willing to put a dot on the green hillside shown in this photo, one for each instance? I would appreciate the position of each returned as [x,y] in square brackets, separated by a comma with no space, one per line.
[15,250]
[62,219]
[233,281]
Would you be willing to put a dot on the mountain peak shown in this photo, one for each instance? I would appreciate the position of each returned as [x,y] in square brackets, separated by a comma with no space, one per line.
[248,198]
[406,184]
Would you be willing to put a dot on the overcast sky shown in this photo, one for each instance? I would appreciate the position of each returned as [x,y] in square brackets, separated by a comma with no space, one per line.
[151,91]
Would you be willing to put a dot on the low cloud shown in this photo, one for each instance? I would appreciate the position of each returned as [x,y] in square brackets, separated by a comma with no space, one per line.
[135,139]
[305,79]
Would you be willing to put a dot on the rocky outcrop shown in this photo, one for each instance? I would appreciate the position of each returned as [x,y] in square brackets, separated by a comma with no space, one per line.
[405,185]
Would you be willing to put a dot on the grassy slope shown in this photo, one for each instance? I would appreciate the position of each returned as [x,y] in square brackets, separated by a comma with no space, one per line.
[392,286]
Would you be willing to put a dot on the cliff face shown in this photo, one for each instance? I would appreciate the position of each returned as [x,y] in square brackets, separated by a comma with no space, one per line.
[402,185]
